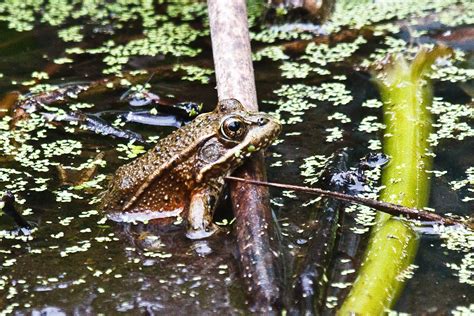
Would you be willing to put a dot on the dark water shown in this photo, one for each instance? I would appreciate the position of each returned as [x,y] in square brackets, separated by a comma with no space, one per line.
[77,262]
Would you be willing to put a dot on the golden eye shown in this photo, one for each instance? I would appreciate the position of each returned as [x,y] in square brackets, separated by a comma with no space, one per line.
[233,128]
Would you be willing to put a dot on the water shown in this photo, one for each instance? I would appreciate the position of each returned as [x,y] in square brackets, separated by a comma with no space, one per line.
[76,261]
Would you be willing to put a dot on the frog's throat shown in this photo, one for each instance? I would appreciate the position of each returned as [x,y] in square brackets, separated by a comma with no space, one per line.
[175,160]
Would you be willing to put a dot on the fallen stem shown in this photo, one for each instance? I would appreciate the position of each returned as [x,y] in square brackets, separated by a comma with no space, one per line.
[389,208]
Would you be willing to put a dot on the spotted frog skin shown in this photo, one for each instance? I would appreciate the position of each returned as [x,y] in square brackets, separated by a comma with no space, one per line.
[184,173]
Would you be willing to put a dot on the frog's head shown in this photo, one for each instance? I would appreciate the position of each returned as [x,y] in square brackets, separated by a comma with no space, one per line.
[238,135]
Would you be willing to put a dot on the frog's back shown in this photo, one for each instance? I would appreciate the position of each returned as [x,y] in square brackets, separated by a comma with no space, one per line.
[166,167]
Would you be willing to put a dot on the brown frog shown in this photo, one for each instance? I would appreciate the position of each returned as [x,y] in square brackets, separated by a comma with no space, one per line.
[184,173]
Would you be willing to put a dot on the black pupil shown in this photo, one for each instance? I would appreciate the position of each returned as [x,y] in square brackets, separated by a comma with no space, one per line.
[234,125]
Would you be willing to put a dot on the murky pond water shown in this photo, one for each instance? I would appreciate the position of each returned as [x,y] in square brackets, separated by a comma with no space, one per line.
[76,261]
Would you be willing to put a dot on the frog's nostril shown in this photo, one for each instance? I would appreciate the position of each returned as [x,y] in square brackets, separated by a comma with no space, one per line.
[262,121]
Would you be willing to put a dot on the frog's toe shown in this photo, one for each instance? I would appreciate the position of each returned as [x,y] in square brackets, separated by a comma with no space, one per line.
[202,232]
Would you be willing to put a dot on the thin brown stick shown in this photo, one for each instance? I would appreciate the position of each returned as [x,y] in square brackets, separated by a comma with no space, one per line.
[389,208]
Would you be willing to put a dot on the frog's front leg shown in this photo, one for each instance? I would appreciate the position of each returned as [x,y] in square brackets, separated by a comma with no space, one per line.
[201,208]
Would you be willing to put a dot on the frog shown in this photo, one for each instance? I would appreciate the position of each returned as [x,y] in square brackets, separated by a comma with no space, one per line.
[183,175]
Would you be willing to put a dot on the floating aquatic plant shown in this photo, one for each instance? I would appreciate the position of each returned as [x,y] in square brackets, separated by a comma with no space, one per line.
[29,168]
[298,98]
[194,73]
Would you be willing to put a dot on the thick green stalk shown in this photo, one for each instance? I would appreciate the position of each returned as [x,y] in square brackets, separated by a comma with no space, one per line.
[406,94]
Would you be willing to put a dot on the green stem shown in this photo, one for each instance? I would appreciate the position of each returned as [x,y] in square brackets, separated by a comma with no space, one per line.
[393,244]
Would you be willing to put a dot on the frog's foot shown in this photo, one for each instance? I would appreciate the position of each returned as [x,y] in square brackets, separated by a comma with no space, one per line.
[202,232]
[200,212]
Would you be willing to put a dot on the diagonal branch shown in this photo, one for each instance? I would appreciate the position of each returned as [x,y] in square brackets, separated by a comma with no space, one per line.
[389,208]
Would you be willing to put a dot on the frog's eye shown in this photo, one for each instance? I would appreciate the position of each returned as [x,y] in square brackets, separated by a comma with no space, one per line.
[233,128]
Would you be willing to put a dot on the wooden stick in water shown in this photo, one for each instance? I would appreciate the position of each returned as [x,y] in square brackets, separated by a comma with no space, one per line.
[389,208]
[260,255]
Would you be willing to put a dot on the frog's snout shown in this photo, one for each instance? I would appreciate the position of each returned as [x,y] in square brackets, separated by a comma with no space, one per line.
[270,126]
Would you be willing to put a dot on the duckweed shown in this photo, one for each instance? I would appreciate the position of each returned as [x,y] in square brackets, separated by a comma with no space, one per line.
[194,73]
[307,83]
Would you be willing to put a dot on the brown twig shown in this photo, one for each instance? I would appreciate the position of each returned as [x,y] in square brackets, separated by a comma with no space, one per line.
[389,208]
[297,47]
[7,103]
[316,11]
